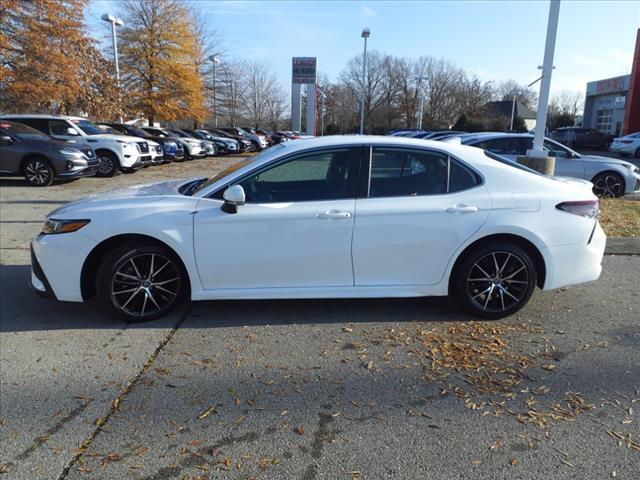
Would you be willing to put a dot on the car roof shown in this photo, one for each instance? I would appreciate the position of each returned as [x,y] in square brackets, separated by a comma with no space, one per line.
[470,137]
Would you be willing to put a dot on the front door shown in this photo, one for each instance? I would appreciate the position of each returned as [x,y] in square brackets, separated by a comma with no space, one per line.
[295,229]
[421,206]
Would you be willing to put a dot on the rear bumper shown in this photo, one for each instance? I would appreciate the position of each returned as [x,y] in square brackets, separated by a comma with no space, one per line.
[573,264]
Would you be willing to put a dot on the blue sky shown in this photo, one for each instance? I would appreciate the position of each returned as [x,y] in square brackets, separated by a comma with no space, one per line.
[496,40]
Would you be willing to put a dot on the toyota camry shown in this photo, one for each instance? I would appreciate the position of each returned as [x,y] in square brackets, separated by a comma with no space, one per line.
[331,217]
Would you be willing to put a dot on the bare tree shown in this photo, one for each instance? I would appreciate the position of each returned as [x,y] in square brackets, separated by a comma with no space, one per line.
[525,95]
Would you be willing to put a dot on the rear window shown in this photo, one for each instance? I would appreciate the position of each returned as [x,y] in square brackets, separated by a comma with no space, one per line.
[511,163]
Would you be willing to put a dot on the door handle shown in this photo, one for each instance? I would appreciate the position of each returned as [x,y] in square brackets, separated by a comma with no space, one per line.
[330,214]
[462,208]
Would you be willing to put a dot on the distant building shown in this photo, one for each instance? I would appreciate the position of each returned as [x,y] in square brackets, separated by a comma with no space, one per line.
[505,107]
[605,104]
[612,105]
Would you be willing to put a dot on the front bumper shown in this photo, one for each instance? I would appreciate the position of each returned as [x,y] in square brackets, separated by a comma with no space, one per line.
[88,171]
[573,264]
[38,281]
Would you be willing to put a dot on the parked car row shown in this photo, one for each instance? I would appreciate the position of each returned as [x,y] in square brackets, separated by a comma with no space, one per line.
[611,177]
[43,148]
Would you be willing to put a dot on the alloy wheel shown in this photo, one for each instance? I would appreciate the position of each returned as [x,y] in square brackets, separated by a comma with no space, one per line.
[38,173]
[498,281]
[608,186]
[105,167]
[145,284]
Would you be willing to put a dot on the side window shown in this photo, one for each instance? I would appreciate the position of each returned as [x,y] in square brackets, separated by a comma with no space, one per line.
[328,175]
[555,150]
[58,127]
[504,146]
[398,172]
[461,177]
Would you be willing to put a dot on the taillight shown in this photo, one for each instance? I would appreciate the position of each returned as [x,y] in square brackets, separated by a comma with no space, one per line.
[584,208]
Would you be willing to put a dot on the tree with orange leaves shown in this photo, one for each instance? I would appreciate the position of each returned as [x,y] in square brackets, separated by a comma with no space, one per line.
[159,58]
[48,63]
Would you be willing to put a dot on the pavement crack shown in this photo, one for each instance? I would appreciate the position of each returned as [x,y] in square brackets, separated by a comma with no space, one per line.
[115,405]
[42,439]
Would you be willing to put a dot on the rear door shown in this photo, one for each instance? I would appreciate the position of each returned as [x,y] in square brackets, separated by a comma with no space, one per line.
[421,205]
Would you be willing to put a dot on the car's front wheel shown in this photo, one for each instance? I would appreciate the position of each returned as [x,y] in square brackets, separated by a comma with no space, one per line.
[38,172]
[108,165]
[495,281]
[141,282]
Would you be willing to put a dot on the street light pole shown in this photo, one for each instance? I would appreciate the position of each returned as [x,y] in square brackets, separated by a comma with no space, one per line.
[115,21]
[366,33]
[545,85]
[513,111]
[214,60]
[421,114]
[323,97]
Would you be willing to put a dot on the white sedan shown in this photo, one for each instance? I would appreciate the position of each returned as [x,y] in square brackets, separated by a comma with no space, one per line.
[629,145]
[331,217]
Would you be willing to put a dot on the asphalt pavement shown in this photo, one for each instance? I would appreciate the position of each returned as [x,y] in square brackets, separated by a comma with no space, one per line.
[353,389]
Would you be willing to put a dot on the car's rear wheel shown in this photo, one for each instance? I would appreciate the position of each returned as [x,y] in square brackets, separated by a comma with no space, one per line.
[141,282]
[495,281]
[38,172]
[608,185]
[108,164]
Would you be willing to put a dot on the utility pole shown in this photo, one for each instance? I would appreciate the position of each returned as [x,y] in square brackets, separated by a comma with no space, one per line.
[366,33]
[545,84]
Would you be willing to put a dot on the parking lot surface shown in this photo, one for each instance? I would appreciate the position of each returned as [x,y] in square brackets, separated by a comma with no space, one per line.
[403,388]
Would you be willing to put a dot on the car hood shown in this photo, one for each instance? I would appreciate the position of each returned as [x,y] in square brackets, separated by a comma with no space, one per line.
[110,136]
[601,159]
[122,196]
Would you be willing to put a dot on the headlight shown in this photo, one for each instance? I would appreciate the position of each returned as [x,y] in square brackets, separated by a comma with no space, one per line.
[67,152]
[52,226]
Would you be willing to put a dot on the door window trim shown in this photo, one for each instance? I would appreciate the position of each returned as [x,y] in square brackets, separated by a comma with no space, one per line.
[450,157]
[360,148]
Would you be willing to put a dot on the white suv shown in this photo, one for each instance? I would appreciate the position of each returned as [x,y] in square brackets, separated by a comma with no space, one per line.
[116,152]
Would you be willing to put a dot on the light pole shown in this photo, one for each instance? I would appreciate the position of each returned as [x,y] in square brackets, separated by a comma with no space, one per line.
[419,123]
[214,60]
[366,33]
[513,109]
[115,21]
[545,85]
[323,97]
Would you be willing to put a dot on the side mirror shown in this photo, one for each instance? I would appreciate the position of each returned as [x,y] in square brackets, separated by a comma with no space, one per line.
[6,140]
[72,131]
[233,197]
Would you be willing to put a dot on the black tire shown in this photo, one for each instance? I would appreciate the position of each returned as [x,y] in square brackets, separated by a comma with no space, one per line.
[38,172]
[108,166]
[128,287]
[495,281]
[127,171]
[608,185]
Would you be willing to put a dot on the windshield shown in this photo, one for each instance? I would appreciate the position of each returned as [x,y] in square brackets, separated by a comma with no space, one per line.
[22,132]
[88,127]
[138,132]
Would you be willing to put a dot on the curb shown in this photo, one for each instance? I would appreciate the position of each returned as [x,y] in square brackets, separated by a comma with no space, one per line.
[622,246]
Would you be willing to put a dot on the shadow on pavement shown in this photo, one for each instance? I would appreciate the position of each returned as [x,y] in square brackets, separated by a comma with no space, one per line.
[22,309]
